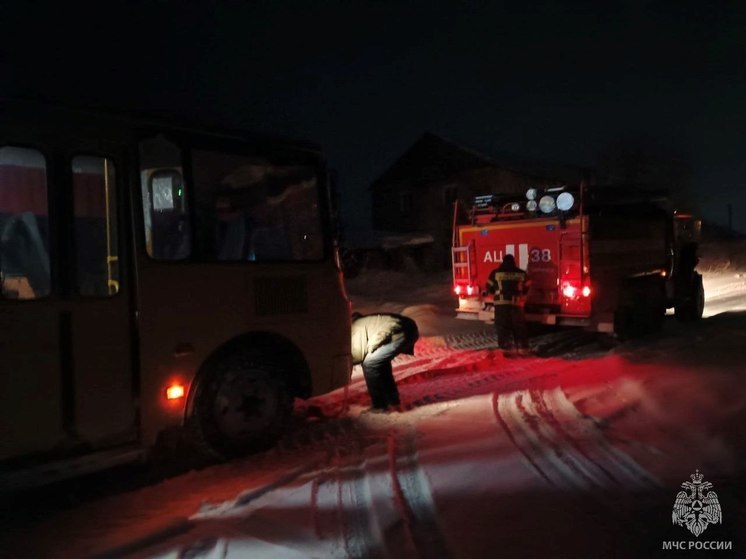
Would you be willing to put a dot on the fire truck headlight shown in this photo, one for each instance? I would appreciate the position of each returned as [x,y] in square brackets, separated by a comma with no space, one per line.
[531,194]
[546,204]
[531,205]
[565,201]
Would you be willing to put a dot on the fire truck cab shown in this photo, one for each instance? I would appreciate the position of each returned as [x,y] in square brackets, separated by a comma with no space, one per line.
[608,259]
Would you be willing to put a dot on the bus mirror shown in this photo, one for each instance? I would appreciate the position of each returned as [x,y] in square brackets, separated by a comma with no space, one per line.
[167,191]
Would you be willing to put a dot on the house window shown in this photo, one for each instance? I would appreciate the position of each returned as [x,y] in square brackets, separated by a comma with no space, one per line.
[405,203]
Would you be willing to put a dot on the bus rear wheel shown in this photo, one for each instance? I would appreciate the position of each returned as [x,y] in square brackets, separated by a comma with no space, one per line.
[241,406]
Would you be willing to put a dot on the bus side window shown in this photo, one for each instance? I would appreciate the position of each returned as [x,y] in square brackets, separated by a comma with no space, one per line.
[168,233]
[253,209]
[24,237]
[96,238]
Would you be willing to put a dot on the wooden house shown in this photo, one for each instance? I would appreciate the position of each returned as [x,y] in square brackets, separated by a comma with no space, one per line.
[416,194]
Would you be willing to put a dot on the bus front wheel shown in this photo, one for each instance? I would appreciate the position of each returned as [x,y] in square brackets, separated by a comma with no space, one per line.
[241,406]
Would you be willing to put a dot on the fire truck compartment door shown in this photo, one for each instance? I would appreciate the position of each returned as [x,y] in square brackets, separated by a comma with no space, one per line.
[543,268]
[570,257]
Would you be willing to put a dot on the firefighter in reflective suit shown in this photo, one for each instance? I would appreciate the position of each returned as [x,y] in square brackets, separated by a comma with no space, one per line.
[509,285]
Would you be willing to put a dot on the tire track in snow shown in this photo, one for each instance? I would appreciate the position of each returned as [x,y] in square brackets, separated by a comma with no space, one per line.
[384,505]
[465,378]
[565,449]
[575,471]
[451,385]
[354,509]
[417,505]
[341,489]
[544,411]
[622,469]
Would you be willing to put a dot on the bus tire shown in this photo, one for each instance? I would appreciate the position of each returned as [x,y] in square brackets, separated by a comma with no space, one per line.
[693,306]
[241,405]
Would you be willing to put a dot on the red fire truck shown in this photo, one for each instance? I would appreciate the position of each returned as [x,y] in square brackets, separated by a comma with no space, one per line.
[608,259]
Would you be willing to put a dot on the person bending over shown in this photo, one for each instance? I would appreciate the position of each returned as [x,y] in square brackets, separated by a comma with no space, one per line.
[376,340]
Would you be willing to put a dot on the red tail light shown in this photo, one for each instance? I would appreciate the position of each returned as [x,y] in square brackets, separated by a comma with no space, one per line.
[569,289]
[465,290]
[572,289]
[575,296]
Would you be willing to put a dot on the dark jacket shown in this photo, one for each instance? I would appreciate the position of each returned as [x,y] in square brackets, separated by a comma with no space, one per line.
[508,283]
[369,332]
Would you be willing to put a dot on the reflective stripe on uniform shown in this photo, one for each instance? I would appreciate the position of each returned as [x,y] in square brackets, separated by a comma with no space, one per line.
[495,285]
[518,276]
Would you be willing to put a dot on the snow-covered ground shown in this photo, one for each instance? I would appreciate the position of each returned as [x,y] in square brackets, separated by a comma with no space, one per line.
[579,454]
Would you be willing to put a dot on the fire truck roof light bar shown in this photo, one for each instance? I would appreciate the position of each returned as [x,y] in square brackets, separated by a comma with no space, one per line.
[547,204]
[565,201]
[549,201]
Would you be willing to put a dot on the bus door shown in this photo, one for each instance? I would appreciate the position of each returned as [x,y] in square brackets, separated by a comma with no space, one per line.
[99,309]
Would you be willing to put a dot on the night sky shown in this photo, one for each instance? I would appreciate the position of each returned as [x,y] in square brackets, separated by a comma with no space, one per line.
[555,81]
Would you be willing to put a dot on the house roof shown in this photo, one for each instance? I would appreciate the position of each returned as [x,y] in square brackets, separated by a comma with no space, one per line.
[432,158]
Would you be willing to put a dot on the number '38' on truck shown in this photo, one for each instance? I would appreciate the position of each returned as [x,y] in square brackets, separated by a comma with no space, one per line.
[608,259]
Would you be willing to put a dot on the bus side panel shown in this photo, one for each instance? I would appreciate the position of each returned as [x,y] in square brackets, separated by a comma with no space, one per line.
[189,311]
[104,403]
[30,420]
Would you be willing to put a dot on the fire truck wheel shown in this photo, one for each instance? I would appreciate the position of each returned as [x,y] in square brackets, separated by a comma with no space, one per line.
[606,341]
[638,320]
[694,305]
[241,406]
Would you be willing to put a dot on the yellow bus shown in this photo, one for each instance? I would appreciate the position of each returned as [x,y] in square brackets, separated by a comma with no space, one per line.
[158,280]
